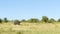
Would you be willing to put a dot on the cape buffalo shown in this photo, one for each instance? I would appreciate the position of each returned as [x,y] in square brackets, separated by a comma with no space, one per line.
[16,22]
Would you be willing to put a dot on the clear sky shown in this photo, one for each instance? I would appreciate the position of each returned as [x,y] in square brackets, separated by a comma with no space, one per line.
[25,9]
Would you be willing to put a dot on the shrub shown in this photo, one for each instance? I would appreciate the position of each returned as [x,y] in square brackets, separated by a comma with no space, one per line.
[33,20]
[52,20]
[0,20]
[5,20]
[23,20]
[58,20]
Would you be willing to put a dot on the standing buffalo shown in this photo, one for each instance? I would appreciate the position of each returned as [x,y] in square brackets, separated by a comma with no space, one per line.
[16,22]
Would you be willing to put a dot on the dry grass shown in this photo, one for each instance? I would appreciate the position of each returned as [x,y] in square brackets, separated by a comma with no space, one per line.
[32,28]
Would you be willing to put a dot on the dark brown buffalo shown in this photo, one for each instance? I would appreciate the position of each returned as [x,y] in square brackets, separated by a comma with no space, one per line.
[16,22]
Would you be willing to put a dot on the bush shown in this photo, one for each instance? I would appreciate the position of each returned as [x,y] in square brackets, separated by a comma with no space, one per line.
[5,20]
[52,20]
[33,20]
[23,20]
[58,20]
[0,20]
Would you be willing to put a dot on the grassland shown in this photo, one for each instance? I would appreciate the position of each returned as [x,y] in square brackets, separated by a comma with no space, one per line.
[30,28]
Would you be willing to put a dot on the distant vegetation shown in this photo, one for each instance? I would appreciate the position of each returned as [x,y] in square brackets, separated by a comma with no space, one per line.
[0,20]
[44,19]
[5,20]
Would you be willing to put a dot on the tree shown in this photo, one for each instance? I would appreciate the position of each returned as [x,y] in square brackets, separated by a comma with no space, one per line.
[45,19]
[0,20]
[52,20]
[23,20]
[34,20]
[58,20]
[5,20]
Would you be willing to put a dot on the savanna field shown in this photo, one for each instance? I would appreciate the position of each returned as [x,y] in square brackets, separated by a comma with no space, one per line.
[30,28]
[29,16]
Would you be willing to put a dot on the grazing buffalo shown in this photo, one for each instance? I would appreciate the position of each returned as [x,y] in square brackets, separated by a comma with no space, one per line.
[16,22]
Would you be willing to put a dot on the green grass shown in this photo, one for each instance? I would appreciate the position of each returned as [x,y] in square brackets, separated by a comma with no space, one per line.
[30,28]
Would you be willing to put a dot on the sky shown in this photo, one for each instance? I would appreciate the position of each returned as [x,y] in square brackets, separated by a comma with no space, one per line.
[26,9]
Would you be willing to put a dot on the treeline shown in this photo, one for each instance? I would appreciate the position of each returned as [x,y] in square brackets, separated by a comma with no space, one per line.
[44,19]
[4,20]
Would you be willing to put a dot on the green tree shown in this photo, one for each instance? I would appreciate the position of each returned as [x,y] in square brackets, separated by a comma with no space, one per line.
[34,20]
[45,19]
[0,20]
[58,20]
[5,20]
[52,20]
